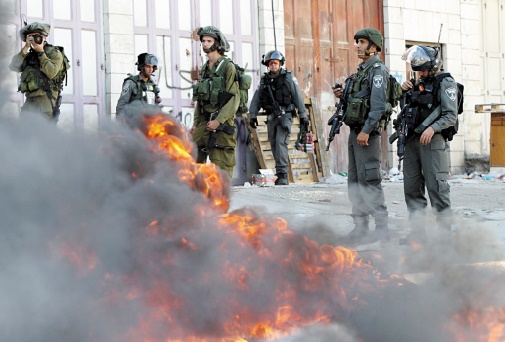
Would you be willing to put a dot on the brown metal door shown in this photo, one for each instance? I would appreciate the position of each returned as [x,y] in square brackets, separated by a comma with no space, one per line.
[497,142]
[320,50]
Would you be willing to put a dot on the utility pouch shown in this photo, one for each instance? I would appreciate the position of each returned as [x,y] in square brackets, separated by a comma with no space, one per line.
[245,82]
[355,113]
[216,88]
[195,91]
[204,89]
[28,82]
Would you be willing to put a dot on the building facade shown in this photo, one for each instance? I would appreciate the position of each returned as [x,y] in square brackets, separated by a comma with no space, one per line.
[103,37]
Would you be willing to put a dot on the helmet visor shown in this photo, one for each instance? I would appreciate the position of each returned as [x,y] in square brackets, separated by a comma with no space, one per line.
[151,59]
[416,56]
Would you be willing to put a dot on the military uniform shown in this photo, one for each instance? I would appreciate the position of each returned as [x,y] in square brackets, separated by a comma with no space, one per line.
[365,109]
[136,91]
[208,93]
[41,76]
[285,91]
[428,165]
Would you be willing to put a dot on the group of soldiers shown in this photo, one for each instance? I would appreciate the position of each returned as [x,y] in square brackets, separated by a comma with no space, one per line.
[217,97]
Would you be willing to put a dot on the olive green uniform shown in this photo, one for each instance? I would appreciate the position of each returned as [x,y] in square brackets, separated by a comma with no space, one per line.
[364,173]
[427,166]
[206,93]
[39,74]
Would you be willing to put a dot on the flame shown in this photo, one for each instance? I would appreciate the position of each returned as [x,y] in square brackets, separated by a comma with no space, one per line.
[479,325]
[170,139]
[211,275]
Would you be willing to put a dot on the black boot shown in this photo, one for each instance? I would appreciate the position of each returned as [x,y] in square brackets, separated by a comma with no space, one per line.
[282,179]
[381,232]
[359,233]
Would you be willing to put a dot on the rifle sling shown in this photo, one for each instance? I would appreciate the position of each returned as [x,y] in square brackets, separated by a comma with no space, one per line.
[429,120]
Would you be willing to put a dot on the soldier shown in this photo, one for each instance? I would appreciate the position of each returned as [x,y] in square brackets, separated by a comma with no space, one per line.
[42,68]
[432,107]
[139,89]
[367,104]
[279,95]
[217,100]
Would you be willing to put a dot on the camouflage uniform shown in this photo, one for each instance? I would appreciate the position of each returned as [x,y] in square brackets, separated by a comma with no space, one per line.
[217,97]
[224,157]
[39,73]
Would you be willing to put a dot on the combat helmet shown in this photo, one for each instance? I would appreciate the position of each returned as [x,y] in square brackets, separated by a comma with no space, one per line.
[146,58]
[373,36]
[422,58]
[34,27]
[274,54]
[215,33]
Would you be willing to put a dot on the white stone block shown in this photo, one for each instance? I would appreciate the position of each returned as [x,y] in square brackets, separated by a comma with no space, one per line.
[452,6]
[393,31]
[118,6]
[120,43]
[393,15]
[118,24]
[121,63]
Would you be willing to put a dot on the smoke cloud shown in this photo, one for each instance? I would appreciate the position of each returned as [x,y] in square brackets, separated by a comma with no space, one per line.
[89,252]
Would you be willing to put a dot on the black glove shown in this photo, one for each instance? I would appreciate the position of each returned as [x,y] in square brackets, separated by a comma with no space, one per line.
[253,122]
[305,121]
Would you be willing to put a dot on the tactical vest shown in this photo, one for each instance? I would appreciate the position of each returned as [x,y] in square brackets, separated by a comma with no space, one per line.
[211,85]
[145,91]
[32,77]
[280,91]
[423,100]
[358,102]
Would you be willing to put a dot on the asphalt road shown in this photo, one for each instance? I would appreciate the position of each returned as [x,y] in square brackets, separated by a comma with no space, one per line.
[322,212]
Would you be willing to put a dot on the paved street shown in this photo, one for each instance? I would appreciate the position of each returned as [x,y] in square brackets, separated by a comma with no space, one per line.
[321,211]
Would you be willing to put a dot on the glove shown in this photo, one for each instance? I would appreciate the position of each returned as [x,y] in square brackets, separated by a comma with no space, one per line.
[305,121]
[253,122]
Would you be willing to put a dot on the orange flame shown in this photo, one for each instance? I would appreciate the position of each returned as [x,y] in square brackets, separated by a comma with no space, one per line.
[482,325]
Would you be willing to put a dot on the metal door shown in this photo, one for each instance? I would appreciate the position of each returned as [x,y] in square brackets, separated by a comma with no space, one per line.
[167,29]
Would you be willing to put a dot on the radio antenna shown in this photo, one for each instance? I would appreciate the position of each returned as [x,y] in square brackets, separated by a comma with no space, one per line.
[273,20]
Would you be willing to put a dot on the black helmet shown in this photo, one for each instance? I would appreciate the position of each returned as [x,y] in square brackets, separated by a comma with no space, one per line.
[274,54]
[146,58]
[372,35]
[422,58]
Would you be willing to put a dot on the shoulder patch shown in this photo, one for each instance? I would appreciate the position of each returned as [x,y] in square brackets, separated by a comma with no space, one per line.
[451,93]
[126,88]
[377,81]
[295,81]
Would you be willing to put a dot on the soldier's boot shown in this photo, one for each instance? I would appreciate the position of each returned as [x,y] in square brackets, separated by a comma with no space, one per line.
[381,232]
[417,233]
[282,179]
[359,232]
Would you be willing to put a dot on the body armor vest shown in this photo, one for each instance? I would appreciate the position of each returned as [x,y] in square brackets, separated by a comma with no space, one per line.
[422,102]
[280,91]
[358,102]
[145,90]
[32,78]
[211,85]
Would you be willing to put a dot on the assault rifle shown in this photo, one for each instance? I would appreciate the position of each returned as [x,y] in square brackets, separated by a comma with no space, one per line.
[401,127]
[277,111]
[222,99]
[337,119]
